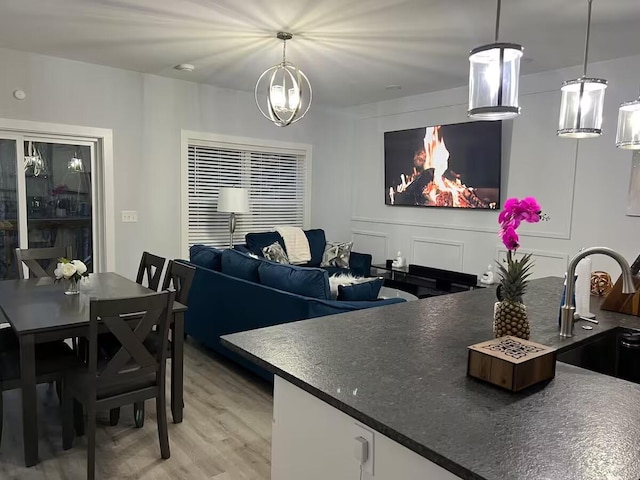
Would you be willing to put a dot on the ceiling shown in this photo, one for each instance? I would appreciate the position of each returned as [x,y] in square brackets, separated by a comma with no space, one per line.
[350,49]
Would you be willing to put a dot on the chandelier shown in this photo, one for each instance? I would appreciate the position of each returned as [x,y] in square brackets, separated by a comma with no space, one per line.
[283,92]
[582,100]
[494,72]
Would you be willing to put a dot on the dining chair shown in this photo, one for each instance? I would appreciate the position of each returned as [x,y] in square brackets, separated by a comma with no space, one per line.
[179,277]
[132,374]
[150,265]
[41,262]
[53,360]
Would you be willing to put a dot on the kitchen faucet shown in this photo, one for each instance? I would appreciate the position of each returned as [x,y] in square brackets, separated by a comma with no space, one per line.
[567,311]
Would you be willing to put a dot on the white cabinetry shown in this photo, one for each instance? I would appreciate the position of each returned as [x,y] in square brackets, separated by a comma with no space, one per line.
[312,440]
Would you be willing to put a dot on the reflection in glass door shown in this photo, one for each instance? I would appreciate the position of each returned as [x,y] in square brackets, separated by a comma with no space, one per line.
[58,189]
[9,235]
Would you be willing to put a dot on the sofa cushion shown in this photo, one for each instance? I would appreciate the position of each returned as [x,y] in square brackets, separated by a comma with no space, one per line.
[317,241]
[336,254]
[206,257]
[364,291]
[257,241]
[305,281]
[239,265]
[275,253]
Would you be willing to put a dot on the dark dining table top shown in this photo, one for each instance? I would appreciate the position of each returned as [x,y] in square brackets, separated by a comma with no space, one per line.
[40,304]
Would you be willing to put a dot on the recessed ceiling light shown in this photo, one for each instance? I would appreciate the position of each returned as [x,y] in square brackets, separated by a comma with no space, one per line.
[184,67]
[393,87]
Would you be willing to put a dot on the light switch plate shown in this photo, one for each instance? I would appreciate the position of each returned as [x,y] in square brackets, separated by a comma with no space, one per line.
[361,431]
[129,216]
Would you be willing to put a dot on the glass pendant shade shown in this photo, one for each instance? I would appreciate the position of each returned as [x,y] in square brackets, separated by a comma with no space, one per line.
[581,108]
[628,136]
[494,73]
[283,92]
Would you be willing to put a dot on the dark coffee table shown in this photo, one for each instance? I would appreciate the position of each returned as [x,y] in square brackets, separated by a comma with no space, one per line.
[426,282]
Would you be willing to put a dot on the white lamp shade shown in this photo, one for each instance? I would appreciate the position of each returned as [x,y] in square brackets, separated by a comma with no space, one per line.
[581,108]
[494,72]
[628,136]
[233,200]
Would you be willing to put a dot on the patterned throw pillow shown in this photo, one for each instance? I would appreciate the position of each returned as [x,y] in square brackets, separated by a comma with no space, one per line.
[336,254]
[275,253]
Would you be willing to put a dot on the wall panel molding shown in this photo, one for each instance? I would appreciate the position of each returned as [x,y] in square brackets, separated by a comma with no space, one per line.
[433,241]
[379,235]
[466,228]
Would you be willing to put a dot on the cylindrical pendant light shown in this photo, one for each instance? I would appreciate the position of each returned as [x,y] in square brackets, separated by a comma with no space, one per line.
[494,74]
[628,136]
[582,100]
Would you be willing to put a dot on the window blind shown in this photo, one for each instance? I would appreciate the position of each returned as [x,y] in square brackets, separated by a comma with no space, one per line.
[276,182]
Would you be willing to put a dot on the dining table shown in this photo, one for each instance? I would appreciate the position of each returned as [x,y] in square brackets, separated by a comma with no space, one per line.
[39,311]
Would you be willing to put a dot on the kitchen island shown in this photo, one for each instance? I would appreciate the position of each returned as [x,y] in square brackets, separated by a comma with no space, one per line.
[399,372]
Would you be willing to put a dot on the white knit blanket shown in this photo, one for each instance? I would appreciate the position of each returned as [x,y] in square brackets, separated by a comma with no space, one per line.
[296,243]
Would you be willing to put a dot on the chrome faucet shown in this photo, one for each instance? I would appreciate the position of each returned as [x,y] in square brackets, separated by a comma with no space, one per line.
[568,309]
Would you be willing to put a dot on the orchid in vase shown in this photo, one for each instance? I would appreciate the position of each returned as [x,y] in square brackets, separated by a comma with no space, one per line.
[510,316]
[72,272]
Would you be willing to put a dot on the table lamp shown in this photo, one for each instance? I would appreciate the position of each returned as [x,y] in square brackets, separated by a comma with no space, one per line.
[233,200]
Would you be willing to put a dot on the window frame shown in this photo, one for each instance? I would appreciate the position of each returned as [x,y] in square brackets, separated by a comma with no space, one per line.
[189,137]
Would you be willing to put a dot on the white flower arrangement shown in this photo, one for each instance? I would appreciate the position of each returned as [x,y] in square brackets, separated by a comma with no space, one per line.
[70,270]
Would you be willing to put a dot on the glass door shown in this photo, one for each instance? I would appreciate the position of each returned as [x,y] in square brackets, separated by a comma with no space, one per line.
[9,200]
[58,192]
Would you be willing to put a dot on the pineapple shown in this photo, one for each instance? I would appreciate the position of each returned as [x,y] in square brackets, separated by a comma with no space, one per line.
[511,313]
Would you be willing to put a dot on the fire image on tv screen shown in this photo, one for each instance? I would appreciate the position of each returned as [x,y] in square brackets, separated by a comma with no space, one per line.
[456,166]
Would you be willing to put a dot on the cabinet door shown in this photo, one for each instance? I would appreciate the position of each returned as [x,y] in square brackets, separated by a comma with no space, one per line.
[312,440]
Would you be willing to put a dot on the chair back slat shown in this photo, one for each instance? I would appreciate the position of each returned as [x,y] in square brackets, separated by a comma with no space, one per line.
[179,276]
[150,265]
[130,321]
[41,262]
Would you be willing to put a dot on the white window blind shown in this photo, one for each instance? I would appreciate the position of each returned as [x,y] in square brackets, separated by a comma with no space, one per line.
[276,183]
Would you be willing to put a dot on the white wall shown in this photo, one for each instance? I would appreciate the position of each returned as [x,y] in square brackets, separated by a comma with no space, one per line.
[147,114]
[582,185]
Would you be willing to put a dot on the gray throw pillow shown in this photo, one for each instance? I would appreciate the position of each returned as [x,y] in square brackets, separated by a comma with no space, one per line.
[336,254]
[275,253]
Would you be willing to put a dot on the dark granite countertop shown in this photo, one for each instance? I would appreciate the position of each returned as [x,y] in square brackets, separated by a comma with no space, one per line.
[401,369]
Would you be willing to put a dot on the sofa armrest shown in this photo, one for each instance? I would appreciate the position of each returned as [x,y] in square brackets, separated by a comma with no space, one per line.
[360,264]
[321,308]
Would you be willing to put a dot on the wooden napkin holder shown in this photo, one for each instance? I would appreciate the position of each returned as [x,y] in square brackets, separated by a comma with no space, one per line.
[616,301]
[511,362]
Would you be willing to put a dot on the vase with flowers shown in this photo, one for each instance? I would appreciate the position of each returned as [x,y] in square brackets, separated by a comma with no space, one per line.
[510,316]
[71,271]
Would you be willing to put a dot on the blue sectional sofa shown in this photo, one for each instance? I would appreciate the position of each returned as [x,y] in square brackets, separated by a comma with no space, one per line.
[233,292]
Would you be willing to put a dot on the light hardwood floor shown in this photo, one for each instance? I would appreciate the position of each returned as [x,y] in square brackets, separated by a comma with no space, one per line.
[226,433]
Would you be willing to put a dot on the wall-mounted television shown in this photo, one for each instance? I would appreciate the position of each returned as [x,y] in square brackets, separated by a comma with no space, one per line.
[454,166]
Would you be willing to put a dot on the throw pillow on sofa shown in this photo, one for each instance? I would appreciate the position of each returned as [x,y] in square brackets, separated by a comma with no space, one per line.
[257,241]
[361,292]
[305,281]
[275,253]
[239,265]
[206,257]
[337,254]
[317,242]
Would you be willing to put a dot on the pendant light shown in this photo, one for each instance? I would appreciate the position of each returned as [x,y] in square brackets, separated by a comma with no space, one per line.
[582,100]
[283,92]
[494,72]
[628,136]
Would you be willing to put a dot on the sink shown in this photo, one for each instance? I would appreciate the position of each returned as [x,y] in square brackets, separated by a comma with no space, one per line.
[615,353]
